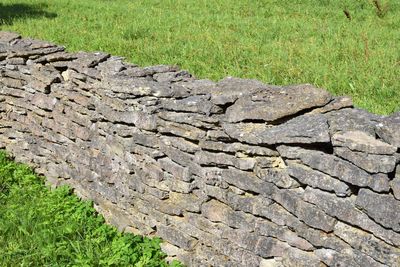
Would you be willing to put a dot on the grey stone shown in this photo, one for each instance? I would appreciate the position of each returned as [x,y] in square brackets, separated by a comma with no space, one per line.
[334,167]
[308,213]
[316,179]
[389,129]
[223,159]
[279,177]
[298,258]
[8,37]
[352,119]
[306,129]
[384,209]
[194,119]
[272,104]
[368,244]
[362,142]
[367,161]
[176,237]
[181,130]
[346,211]
[336,104]
[196,104]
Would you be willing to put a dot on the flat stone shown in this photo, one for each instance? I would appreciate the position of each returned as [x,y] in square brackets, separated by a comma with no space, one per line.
[368,244]
[179,129]
[344,209]
[228,90]
[335,167]
[306,129]
[308,213]
[197,120]
[317,179]
[384,209]
[44,102]
[336,104]
[298,258]
[205,158]
[366,161]
[395,184]
[176,237]
[352,119]
[272,104]
[196,104]
[362,142]
[277,176]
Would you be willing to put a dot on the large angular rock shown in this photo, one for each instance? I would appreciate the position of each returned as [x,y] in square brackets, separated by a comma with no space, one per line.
[384,209]
[7,37]
[335,167]
[195,104]
[272,104]
[307,129]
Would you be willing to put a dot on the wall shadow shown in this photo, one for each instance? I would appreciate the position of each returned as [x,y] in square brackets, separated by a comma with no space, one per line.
[11,12]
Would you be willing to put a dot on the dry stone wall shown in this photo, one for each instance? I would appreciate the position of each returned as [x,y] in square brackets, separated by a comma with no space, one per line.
[233,173]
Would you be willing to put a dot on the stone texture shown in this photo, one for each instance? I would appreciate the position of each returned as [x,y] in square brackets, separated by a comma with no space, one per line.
[228,173]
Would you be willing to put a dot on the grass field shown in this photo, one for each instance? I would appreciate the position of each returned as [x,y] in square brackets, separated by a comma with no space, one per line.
[41,227]
[276,41]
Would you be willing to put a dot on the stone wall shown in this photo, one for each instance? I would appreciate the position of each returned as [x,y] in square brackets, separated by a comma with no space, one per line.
[233,173]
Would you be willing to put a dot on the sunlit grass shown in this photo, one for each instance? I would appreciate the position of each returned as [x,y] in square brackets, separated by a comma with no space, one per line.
[42,227]
[278,42]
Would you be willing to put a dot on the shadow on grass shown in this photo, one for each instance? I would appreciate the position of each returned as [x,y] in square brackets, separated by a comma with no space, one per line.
[11,12]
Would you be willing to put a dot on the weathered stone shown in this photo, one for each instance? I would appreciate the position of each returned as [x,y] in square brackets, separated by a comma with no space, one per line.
[180,143]
[346,211]
[272,104]
[306,212]
[277,176]
[367,161]
[395,184]
[222,159]
[176,237]
[316,179]
[336,104]
[194,119]
[195,104]
[352,119]
[368,244]
[362,142]
[384,209]
[185,131]
[334,167]
[389,129]
[305,129]
[298,258]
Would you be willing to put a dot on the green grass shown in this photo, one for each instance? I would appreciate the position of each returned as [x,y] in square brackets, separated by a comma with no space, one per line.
[42,227]
[276,41]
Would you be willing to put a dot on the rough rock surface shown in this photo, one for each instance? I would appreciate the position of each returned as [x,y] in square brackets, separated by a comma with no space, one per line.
[233,173]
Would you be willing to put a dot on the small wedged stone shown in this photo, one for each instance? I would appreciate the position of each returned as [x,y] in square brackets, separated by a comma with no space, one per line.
[383,209]
[306,129]
[316,179]
[336,104]
[368,244]
[335,167]
[172,77]
[395,183]
[179,129]
[272,104]
[366,161]
[194,119]
[180,143]
[222,159]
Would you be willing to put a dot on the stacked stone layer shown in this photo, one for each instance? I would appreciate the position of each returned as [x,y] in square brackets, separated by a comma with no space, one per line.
[233,173]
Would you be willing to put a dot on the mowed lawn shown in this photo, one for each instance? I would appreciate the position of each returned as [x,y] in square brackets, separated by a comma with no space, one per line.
[349,47]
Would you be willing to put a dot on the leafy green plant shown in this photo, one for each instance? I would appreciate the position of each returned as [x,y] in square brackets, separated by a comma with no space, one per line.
[42,227]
